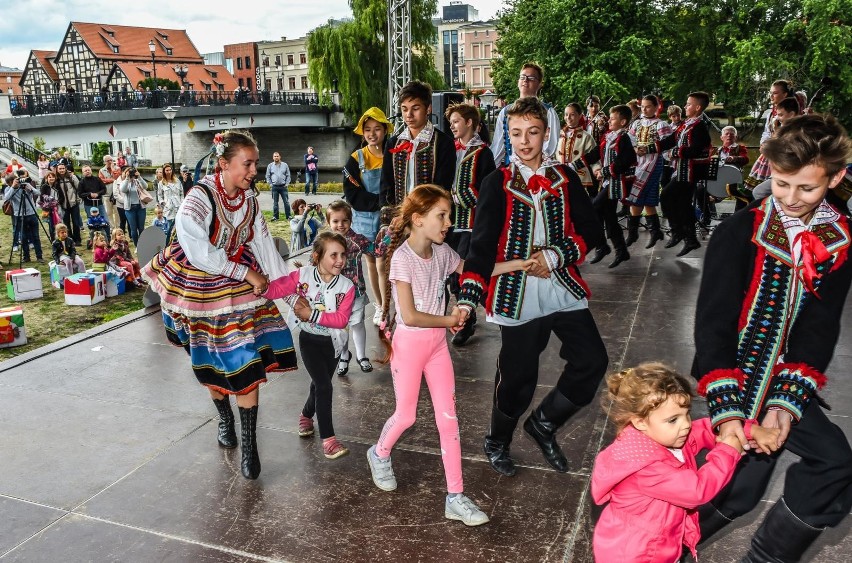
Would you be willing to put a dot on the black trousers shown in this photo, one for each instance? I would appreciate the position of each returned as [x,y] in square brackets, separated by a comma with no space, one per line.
[582,350]
[817,488]
[607,213]
[319,359]
[676,202]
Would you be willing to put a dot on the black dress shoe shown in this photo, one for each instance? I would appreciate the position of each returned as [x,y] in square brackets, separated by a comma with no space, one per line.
[688,246]
[674,241]
[600,252]
[621,255]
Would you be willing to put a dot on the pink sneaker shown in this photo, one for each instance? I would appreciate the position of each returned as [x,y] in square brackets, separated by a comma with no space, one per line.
[306,426]
[333,449]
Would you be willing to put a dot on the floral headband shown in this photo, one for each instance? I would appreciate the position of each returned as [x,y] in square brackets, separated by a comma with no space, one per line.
[219,144]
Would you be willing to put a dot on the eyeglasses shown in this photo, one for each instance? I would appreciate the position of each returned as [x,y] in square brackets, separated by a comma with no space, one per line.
[527,78]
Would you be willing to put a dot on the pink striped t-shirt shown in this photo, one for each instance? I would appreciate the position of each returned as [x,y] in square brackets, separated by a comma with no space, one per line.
[427,277]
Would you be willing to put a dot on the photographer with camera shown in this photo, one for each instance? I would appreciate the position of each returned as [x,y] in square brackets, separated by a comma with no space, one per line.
[135,191]
[305,216]
[20,191]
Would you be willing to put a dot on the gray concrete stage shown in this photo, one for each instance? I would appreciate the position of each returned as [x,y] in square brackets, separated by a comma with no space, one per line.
[109,451]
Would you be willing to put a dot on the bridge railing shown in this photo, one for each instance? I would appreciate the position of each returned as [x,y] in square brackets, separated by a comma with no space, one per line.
[44,104]
[19,147]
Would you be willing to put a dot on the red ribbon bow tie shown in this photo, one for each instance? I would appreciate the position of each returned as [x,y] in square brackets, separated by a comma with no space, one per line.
[538,182]
[460,146]
[407,146]
[813,253]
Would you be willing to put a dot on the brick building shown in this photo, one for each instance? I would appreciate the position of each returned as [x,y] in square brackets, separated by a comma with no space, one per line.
[244,62]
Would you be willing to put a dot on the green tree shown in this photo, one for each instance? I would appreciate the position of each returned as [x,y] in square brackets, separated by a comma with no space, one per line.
[149,83]
[585,46]
[353,55]
[99,150]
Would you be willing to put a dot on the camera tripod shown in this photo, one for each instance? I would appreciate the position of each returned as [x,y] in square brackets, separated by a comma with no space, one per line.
[26,204]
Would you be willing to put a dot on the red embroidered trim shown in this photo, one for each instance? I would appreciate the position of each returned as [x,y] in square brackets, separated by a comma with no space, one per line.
[718,374]
[757,271]
[804,369]
[472,276]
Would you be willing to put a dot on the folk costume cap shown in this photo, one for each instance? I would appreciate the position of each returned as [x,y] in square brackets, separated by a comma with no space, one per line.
[378,115]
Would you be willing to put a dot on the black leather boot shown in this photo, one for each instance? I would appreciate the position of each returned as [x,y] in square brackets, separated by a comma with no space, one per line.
[654,228]
[461,337]
[710,521]
[675,239]
[600,252]
[543,423]
[250,464]
[690,243]
[632,229]
[227,436]
[497,442]
[782,538]
[621,255]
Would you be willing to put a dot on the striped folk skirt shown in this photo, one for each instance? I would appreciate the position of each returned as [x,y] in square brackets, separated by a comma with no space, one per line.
[233,337]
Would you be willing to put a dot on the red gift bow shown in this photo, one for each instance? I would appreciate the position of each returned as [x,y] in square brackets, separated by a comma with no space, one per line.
[460,146]
[407,146]
[538,182]
[813,253]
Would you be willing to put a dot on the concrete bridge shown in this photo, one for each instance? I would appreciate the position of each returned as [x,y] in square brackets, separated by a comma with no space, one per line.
[284,127]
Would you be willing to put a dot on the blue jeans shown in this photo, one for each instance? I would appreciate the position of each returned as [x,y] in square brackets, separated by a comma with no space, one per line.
[135,221]
[309,178]
[280,191]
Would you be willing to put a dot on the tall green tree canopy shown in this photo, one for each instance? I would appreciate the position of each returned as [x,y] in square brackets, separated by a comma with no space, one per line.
[354,54]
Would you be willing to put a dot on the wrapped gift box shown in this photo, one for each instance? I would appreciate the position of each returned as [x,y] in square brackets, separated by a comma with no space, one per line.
[58,272]
[24,284]
[85,289]
[12,330]
[114,284]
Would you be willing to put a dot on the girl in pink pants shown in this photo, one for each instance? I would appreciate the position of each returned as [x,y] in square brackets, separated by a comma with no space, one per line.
[418,264]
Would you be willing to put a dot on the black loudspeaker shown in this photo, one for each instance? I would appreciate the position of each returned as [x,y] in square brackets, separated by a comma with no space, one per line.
[440,102]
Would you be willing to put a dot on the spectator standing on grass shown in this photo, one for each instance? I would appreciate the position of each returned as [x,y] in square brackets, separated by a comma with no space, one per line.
[108,175]
[278,178]
[311,171]
[69,200]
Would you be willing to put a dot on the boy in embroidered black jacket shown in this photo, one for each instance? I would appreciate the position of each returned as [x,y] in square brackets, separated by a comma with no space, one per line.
[776,276]
[420,153]
[474,162]
[534,209]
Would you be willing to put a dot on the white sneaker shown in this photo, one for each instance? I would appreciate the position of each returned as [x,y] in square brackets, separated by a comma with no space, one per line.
[382,470]
[462,509]
[377,316]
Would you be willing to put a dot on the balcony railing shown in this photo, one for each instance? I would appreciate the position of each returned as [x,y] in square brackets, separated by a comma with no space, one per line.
[44,104]
[19,147]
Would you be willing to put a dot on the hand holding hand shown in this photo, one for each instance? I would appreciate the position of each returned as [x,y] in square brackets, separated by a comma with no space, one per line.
[765,439]
[456,322]
[733,441]
[258,281]
[733,428]
[538,267]
[782,420]
[302,309]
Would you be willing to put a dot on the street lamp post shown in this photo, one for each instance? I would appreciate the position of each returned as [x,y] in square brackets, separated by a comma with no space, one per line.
[170,114]
[152,47]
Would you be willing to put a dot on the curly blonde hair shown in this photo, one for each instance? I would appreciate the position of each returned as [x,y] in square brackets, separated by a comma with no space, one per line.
[635,392]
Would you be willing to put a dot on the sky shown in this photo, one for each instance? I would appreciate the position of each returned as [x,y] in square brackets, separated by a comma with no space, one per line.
[41,24]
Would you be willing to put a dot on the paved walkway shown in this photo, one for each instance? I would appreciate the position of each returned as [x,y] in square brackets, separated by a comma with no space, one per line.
[109,451]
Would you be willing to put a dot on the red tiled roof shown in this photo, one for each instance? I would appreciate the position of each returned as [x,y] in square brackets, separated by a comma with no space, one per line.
[133,43]
[197,74]
[45,58]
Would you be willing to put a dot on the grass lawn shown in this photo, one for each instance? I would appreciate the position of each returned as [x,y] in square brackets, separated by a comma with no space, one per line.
[49,319]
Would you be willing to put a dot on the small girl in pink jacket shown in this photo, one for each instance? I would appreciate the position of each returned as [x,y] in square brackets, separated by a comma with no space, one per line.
[649,476]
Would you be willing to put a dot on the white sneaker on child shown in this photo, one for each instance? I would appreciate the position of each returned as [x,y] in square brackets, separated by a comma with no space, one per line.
[382,470]
[462,509]
[377,316]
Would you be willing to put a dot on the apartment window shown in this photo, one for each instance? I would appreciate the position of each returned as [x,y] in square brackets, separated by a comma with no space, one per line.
[304,83]
[291,81]
[475,51]
[277,60]
[487,51]
[239,63]
[303,58]
[169,51]
[280,84]
[248,62]
[240,81]
[290,59]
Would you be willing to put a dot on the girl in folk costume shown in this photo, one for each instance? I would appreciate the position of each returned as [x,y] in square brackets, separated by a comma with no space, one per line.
[577,148]
[596,121]
[619,160]
[321,300]
[645,189]
[362,183]
[474,161]
[785,109]
[207,280]
[420,153]
[649,476]
[339,218]
[419,264]
[776,276]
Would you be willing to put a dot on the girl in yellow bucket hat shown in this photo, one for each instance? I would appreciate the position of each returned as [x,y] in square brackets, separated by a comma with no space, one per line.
[362,177]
